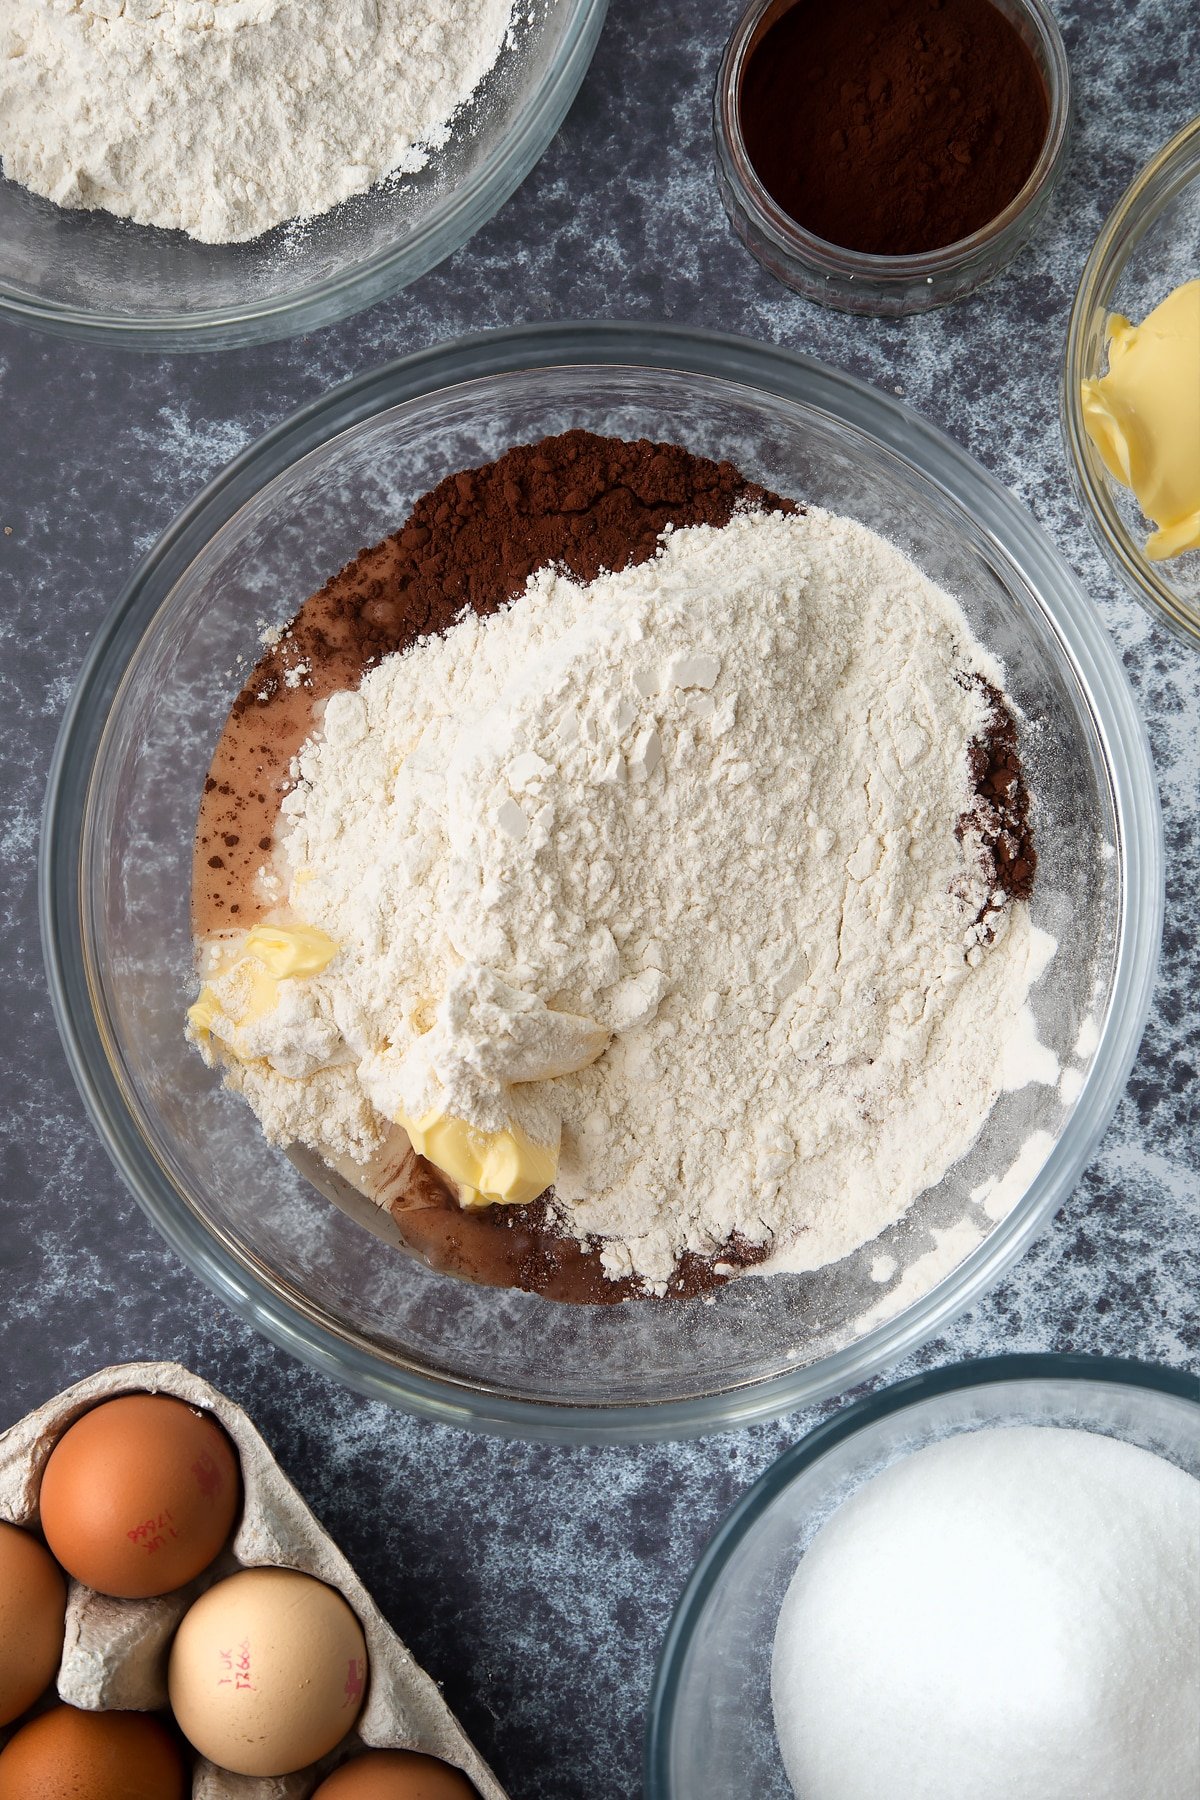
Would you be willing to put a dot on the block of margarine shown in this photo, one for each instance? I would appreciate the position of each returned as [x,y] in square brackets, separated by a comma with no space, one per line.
[268,956]
[1144,417]
[116,1652]
[530,1042]
[505,1168]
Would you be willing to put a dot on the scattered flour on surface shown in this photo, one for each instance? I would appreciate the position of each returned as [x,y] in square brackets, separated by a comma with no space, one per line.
[707,812]
[998,1196]
[223,118]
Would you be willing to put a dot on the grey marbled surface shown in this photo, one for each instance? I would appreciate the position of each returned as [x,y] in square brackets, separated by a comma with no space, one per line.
[536,1582]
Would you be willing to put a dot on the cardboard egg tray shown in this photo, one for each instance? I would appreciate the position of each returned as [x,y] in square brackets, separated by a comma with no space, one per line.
[115,1653]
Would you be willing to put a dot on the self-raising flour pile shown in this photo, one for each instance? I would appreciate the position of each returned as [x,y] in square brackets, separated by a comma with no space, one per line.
[225,117]
[1009,1614]
[674,889]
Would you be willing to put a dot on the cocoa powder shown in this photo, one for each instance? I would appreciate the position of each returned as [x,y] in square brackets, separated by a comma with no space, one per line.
[583,502]
[1002,812]
[893,126]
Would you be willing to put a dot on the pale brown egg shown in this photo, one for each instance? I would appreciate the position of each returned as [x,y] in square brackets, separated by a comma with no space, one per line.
[396,1775]
[268,1671]
[33,1599]
[139,1495]
[93,1756]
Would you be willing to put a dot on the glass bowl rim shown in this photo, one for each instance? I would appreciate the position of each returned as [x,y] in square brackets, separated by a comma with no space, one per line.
[869,267]
[448,225]
[1137,573]
[847,1422]
[275,1309]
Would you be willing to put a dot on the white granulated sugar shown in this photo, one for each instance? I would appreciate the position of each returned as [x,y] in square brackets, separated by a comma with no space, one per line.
[225,117]
[706,807]
[1009,1614]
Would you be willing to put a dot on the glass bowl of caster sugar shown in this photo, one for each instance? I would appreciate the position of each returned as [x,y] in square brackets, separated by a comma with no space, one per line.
[190,176]
[602,1021]
[984,1580]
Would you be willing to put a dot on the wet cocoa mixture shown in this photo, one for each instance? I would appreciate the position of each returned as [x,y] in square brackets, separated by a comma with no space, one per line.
[584,503]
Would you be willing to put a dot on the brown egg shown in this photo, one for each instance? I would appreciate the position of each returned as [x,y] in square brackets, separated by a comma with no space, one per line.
[140,1495]
[93,1756]
[33,1599]
[396,1775]
[267,1672]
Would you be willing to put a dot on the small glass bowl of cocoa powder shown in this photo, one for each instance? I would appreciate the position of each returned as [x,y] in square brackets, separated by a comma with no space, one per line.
[884,163]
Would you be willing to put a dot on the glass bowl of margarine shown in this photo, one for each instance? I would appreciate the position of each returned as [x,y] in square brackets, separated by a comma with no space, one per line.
[89,274]
[1143,409]
[121,813]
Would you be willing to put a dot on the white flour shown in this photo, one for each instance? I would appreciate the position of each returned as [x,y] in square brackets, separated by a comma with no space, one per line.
[707,807]
[1009,1614]
[225,117]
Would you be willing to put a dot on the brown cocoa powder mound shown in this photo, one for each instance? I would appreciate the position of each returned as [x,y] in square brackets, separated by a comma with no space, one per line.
[583,502]
[893,126]
[1003,809]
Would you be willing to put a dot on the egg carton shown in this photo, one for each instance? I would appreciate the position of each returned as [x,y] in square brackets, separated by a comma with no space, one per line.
[115,1652]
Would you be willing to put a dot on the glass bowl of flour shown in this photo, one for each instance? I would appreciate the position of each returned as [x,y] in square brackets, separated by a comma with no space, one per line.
[173,183]
[711,1724]
[318,1273]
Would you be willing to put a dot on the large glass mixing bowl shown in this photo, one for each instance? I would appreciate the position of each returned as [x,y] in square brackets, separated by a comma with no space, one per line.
[116,857]
[710,1727]
[91,275]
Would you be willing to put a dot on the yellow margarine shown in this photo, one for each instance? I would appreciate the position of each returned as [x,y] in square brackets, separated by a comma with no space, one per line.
[287,950]
[508,1167]
[269,954]
[505,1167]
[1144,417]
